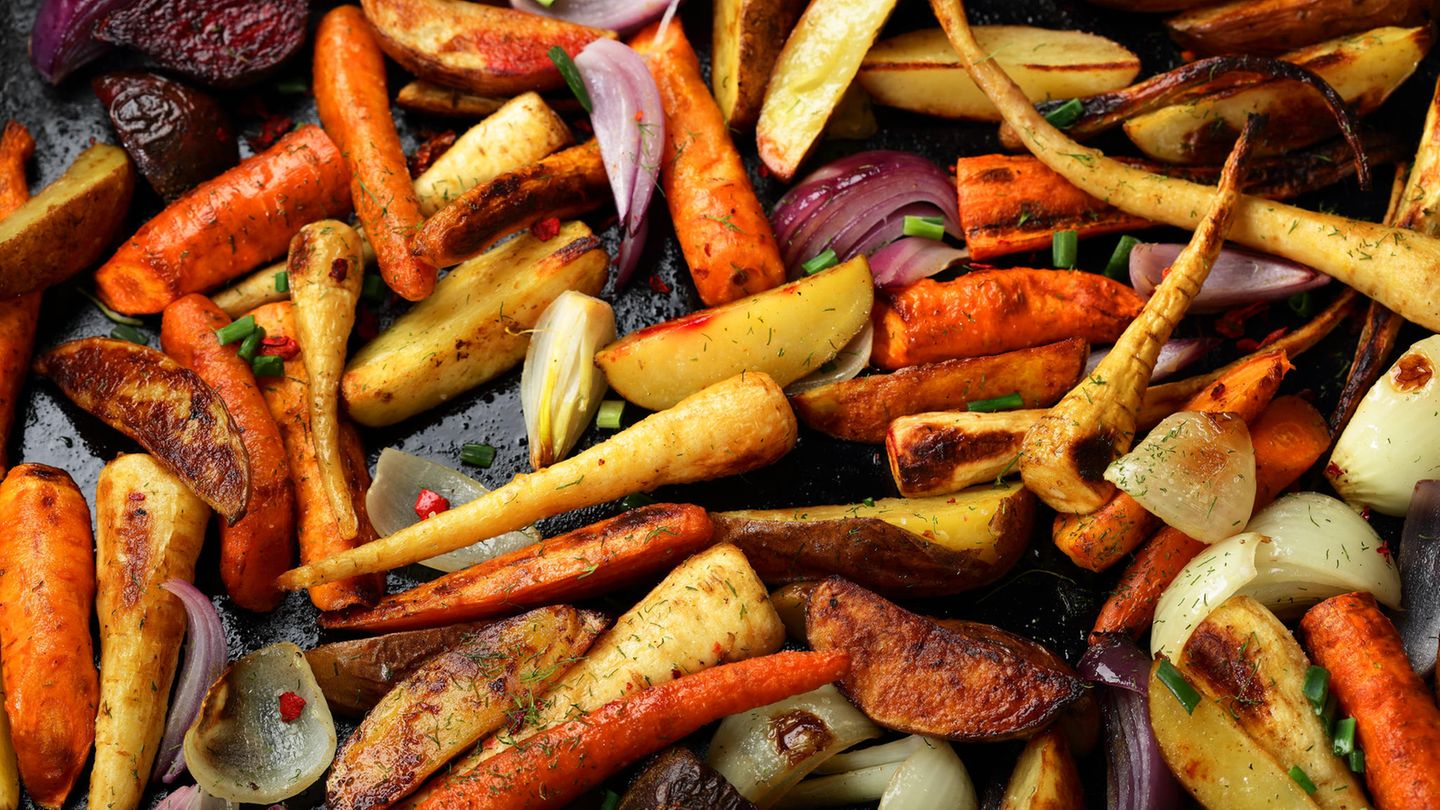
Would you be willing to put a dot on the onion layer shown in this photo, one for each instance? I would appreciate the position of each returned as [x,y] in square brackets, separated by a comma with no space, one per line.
[1419,622]
[931,777]
[624,16]
[906,261]
[560,385]
[1175,356]
[1237,278]
[845,365]
[1137,777]
[205,658]
[63,38]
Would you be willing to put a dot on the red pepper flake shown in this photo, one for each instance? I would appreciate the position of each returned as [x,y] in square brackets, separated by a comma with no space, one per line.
[1384,550]
[430,503]
[1232,323]
[658,284]
[291,705]
[272,129]
[282,347]
[1333,470]
[764,170]
[639,115]
[546,229]
[430,150]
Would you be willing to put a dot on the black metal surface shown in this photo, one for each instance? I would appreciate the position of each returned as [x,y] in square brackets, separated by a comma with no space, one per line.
[1044,598]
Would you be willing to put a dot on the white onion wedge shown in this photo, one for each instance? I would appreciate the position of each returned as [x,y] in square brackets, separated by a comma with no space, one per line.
[871,756]
[860,786]
[932,778]
[560,386]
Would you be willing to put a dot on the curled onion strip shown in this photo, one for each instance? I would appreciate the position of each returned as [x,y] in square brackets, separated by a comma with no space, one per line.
[204,661]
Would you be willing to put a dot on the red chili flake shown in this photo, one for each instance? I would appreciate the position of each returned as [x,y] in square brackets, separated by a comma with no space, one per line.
[430,503]
[764,170]
[291,705]
[1333,470]
[272,129]
[282,347]
[1232,323]
[658,284]
[1384,550]
[430,149]
[639,115]
[546,229]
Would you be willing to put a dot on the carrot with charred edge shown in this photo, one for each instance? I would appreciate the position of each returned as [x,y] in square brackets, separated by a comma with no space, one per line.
[258,548]
[16,149]
[288,398]
[586,562]
[993,311]
[1397,724]
[47,590]
[558,765]
[354,106]
[1289,436]
[723,230]
[228,225]
[1099,539]
[19,315]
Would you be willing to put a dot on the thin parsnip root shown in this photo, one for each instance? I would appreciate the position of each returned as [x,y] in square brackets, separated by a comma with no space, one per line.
[733,426]
[253,291]
[1065,454]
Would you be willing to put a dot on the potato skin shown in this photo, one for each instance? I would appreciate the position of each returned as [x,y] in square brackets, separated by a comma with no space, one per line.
[1272,27]
[355,674]
[747,36]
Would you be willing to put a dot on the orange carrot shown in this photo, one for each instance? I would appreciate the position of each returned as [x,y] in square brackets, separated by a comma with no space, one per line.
[256,550]
[354,106]
[19,315]
[16,149]
[288,399]
[589,561]
[723,230]
[1099,539]
[558,765]
[229,225]
[1396,722]
[47,590]
[1289,436]
[993,311]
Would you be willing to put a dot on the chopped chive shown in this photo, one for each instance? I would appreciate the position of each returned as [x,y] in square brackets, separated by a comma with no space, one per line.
[251,344]
[821,261]
[1301,304]
[268,365]
[870,502]
[372,288]
[1066,114]
[476,454]
[1118,267]
[1064,246]
[608,417]
[1178,686]
[292,87]
[1317,686]
[925,227]
[109,313]
[567,68]
[239,330]
[282,281]
[1329,714]
[612,799]
[1302,779]
[125,331]
[1357,761]
[1344,737]
[1009,402]
[635,500]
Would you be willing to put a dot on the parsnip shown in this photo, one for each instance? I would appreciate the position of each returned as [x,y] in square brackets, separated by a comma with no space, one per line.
[946,451]
[326,270]
[149,528]
[255,290]
[731,427]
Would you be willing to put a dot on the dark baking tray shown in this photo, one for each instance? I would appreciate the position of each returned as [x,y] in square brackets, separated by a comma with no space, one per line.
[1044,597]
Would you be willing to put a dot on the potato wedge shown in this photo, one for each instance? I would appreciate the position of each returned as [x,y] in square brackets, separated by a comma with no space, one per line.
[482,49]
[966,681]
[861,410]
[1244,660]
[1271,27]
[1045,777]
[453,700]
[1145,6]
[901,548]
[813,71]
[355,674]
[1363,68]
[425,97]
[472,328]
[66,227]
[919,71]
[163,406]
[745,42]
[935,453]
[786,332]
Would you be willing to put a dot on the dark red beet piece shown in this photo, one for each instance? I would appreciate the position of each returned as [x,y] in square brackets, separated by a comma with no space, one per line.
[225,43]
[178,136]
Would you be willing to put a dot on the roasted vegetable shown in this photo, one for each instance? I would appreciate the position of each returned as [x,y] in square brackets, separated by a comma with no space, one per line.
[676,779]
[355,674]
[178,136]
[18,318]
[1045,777]
[63,37]
[226,43]
[423,96]
[938,453]
[560,386]
[746,38]
[1275,26]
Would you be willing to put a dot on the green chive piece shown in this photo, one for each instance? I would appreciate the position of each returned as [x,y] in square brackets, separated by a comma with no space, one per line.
[1302,779]
[239,330]
[251,344]
[608,417]
[1330,714]
[635,500]
[870,502]
[268,365]
[1178,686]
[127,332]
[1301,304]
[1064,116]
[1009,402]
[1357,761]
[612,799]
[1317,687]
[109,313]
[1118,267]
[477,454]
[282,281]
[1344,737]
[292,87]
[567,68]
[822,261]
[372,288]
[925,227]
[1064,247]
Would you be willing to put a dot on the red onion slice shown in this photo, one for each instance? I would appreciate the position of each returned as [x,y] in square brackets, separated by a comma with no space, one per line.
[1115,660]
[189,797]
[63,38]
[1419,622]
[1238,277]
[1137,777]
[624,16]
[906,261]
[1175,355]
[205,658]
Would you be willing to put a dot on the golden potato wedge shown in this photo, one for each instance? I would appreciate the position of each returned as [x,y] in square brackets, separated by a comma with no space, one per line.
[947,451]
[162,405]
[426,97]
[920,72]
[1271,27]
[355,674]
[901,548]
[861,410]
[472,328]
[786,332]
[813,71]
[964,681]
[1045,777]
[65,228]
[454,699]
[1218,763]
[479,48]
[1363,68]
[745,42]
[1243,659]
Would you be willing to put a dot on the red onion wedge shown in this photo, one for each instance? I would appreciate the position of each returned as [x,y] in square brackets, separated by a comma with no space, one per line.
[205,657]
[1419,622]
[1238,277]
[64,35]
[1175,355]
[189,797]
[630,127]
[906,261]
[624,16]
[1137,777]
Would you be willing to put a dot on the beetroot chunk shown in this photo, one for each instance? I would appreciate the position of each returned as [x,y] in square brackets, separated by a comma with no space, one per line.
[177,135]
[224,43]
